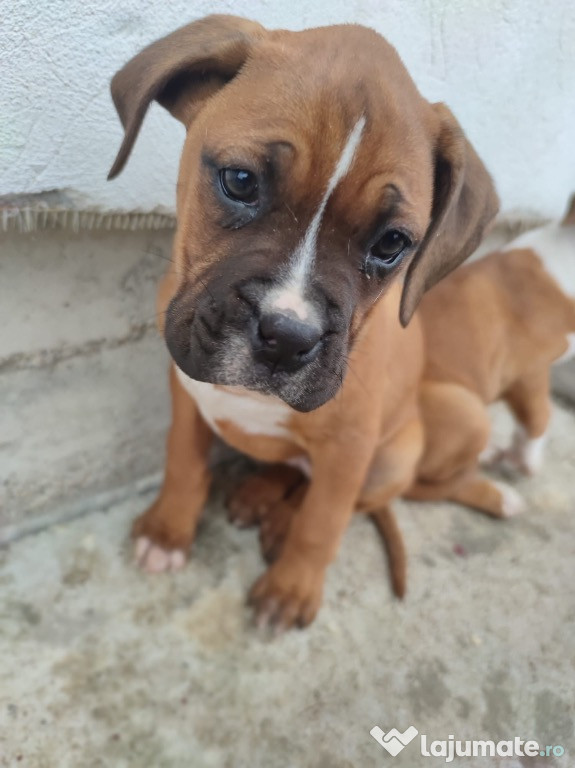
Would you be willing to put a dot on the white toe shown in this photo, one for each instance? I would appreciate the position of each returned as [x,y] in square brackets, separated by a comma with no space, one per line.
[533,453]
[154,559]
[140,549]
[512,501]
[157,560]
[177,560]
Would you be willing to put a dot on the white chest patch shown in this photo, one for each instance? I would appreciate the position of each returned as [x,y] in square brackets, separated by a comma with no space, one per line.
[252,412]
[555,245]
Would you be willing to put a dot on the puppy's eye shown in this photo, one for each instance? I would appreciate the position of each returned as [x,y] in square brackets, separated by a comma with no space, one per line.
[240,185]
[389,248]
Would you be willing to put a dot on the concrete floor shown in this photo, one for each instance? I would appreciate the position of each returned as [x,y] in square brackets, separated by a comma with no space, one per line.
[103,666]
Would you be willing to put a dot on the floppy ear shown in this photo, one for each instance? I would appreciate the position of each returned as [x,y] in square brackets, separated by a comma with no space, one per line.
[180,71]
[464,204]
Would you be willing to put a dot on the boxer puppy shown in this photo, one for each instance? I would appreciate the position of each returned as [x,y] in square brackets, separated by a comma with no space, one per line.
[493,329]
[319,197]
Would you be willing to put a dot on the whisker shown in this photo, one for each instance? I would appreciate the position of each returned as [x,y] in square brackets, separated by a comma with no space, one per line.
[349,368]
[292,213]
[378,296]
[160,255]
[154,316]
[199,279]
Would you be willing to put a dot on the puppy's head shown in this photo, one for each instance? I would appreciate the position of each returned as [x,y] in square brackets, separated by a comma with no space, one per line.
[313,175]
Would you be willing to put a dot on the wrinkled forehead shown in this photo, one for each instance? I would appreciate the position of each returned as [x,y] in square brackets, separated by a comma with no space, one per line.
[326,79]
[299,97]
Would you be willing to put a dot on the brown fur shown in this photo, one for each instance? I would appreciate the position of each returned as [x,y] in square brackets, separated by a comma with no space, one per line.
[238,88]
[492,331]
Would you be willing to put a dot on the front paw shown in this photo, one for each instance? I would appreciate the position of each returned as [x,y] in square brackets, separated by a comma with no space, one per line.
[288,594]
[161,541]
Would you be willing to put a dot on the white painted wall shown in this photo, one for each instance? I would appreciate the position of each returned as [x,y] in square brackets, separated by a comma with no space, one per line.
[505,67]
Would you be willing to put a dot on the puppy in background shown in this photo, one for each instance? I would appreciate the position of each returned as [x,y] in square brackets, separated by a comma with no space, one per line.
[319,196]
[493,329]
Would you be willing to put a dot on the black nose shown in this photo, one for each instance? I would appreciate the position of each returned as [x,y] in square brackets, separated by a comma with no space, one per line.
[285,342]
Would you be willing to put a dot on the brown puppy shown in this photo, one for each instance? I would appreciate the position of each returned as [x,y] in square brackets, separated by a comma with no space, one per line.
[319,196]
[493,329]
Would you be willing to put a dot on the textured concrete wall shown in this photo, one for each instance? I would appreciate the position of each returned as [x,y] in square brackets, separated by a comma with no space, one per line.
[83,385]
[506,67]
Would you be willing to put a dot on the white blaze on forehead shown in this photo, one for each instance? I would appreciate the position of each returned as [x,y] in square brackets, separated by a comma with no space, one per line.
[304,256]
[291,294]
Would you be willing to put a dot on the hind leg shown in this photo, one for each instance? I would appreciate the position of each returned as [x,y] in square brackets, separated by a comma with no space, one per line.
[457,429]
[530,402]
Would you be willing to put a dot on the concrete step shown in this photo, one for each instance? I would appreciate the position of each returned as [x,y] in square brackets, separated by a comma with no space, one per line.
[83,386]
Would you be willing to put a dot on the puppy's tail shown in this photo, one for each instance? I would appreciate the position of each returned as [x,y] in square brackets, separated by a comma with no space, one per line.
[388,528]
